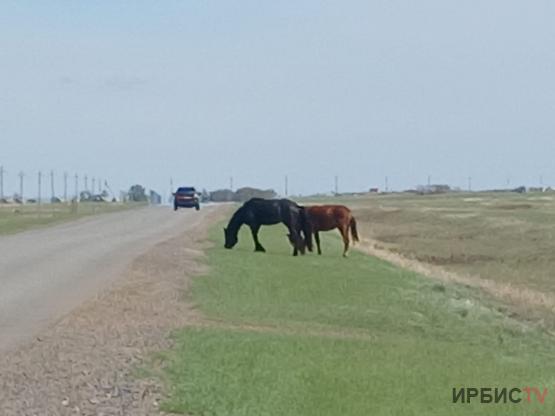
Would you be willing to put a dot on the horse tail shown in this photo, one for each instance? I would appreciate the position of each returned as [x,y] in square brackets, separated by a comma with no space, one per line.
[307,230]
[354,232]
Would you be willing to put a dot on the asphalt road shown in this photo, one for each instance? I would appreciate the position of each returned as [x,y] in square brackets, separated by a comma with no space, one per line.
[46,273]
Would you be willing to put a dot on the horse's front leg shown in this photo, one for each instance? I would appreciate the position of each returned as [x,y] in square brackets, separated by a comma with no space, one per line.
[317,239]
[296,241]
[257,245]
[293,242]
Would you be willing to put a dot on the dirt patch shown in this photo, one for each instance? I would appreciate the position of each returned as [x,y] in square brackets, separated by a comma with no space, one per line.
[461,215]
[512,206]
[84,364]
[319,331]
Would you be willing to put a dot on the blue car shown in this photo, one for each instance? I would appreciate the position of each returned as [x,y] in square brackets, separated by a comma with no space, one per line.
[186,197]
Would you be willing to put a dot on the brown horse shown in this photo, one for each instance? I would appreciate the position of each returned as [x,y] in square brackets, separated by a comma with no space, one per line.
[328,217]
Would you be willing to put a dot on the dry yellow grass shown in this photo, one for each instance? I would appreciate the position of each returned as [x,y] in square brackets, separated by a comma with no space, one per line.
[500,243]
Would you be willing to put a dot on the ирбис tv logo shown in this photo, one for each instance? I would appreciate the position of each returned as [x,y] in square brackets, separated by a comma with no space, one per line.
[499,395]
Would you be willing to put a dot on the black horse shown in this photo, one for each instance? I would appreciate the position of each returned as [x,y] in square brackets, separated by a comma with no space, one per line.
[257,212]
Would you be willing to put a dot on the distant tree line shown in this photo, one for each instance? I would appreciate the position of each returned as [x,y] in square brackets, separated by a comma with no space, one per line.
[137,193]
[240,195]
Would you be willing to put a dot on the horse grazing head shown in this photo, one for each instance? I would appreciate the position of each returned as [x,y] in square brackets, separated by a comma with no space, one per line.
[230,238]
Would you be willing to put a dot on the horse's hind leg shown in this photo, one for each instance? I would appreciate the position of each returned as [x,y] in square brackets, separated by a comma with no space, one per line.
[317,239]
[257,245]
[345,234]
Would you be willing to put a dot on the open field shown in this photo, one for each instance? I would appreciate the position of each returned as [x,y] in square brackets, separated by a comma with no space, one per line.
[504,238]
[331,336]
[16,218]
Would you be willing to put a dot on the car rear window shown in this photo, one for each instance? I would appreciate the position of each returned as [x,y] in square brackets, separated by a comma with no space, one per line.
[185,190]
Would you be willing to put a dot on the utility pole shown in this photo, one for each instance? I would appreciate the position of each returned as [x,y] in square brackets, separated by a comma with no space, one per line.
[231,183]
[39,196]
[1,182]
[76,187]
[65,186]
[92,187]
[99,185]
[52,192]
[21,175]
[170,199]
[336,184]
[86,183]
[470,184]
[286,186]
[386,184]
[429,180]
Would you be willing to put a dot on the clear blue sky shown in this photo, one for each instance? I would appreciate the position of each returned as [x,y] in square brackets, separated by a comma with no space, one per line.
[201,90]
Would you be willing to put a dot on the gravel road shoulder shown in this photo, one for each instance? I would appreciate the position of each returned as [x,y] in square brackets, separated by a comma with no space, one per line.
[84,364]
